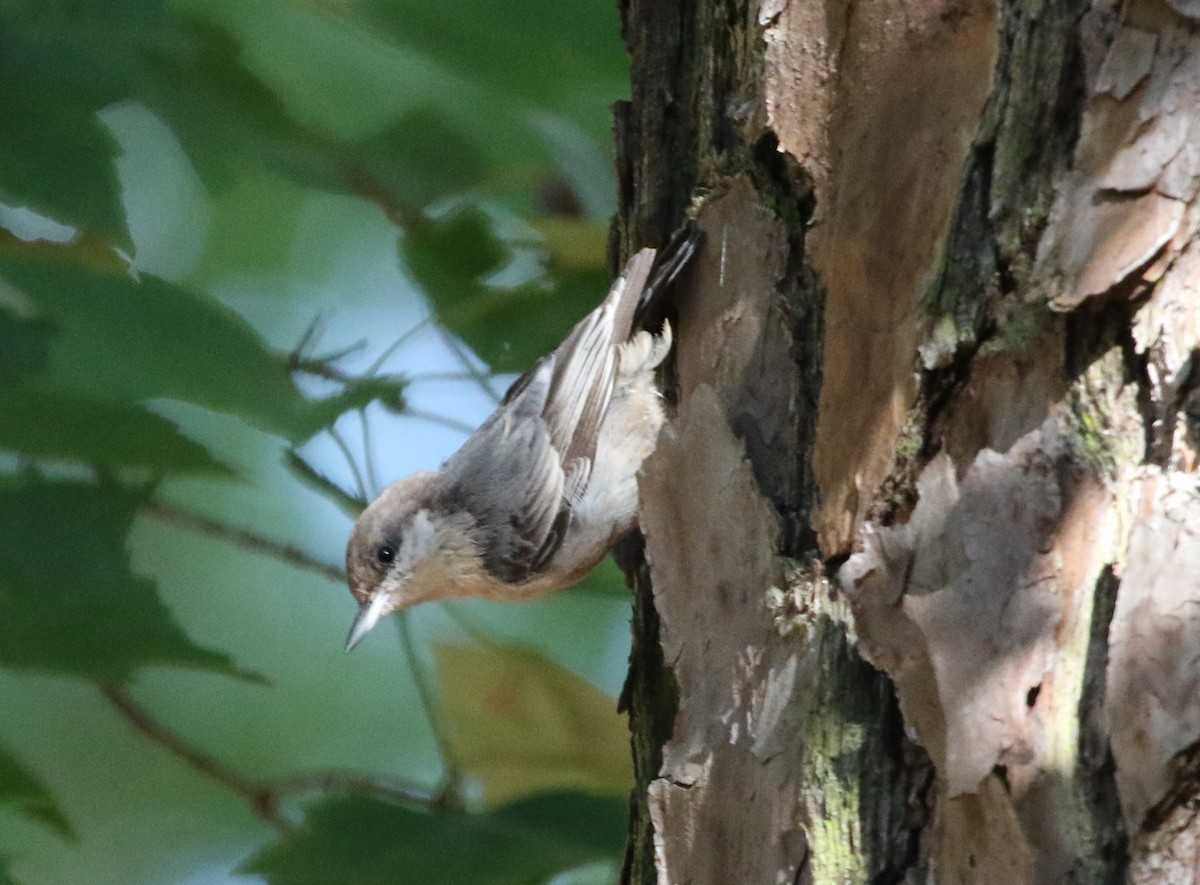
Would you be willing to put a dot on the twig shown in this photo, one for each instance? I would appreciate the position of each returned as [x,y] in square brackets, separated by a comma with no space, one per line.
[370,188]
[263,797]
[435,418]
[479,377]
[420,679]
[440,376]
[348,455]
[368,460]
[341,353]
[177,516]
[323,367]
[310,336]
[262,801]
[314,479]
[396,345]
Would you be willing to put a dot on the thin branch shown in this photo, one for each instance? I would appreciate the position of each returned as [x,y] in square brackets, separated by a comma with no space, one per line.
[323,367]
[342,352]
[368,460]
[396,345]
[261,800]
[314,479]
[440,376]
[346,453]
[435,418]
[479,377]
[263,797]
[244,538]
[420,679]
[371,189]
[311,335]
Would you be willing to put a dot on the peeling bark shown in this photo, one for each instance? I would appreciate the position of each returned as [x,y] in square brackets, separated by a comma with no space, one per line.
[940,345]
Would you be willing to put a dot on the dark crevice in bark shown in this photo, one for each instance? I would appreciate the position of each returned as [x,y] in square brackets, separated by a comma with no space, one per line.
[651,699]
[1026,140]
[657,153]
[1158,418]
[1186,402]
[902,787]
[967,291]
[784,186]
[1181,805]
[1095,769]
[892,775]
[656,131]
[1101,324]
[969,285]
[1036,112]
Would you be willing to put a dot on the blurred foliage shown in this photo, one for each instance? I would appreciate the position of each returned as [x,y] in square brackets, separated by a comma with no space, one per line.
[480,136]
[137,338]
[94,619]
[453,257]
[19,788]
[364,840]
[517,721]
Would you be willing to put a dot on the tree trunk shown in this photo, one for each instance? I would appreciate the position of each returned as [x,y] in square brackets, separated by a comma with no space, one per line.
[924,534]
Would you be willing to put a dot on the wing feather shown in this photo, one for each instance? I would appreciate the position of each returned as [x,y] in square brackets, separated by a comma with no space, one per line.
[586,366]
[520,474]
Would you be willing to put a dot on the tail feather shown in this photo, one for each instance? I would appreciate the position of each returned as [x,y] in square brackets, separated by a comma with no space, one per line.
[671,259]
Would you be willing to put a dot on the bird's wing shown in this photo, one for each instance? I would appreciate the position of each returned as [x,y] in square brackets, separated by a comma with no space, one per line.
[585,371]
[510,478]
[522,471]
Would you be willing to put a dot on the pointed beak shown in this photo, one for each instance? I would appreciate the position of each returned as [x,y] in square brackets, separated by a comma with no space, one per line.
[366,619]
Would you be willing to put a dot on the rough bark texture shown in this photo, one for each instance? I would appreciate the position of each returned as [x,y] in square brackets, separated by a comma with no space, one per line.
[939,347]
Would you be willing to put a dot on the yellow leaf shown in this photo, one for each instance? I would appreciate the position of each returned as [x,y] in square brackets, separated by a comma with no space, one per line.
[519,723]
[574,243]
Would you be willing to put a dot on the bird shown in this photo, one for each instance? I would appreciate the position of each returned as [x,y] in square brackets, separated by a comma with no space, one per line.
[539,494]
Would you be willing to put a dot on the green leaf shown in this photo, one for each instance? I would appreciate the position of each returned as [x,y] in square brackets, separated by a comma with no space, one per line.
[21,790]
[517,44]
[69,602]
[193,74]
[385,116]
[508,327]
[5,878]
[24,344]
[520,723]
[361,841]
[46,422]
[400,124]
[125,339]
[359,393]
[421,157]
[56,157]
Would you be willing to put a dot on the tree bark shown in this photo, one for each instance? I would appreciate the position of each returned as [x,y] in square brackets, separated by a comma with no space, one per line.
[923,536]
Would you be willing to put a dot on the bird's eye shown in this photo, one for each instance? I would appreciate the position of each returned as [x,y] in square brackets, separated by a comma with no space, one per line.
[385,553]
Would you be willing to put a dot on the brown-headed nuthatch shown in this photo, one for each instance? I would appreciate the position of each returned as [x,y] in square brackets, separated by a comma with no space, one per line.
[544,488]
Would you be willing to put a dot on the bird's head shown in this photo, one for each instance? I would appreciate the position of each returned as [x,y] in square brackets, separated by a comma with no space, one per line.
[406,548]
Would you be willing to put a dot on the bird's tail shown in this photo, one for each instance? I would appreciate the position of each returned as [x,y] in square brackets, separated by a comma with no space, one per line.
[670,260]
